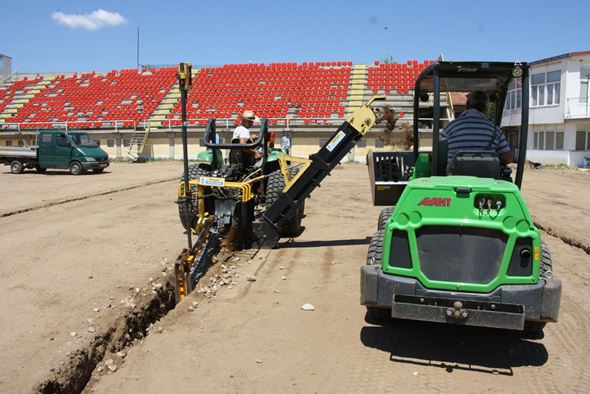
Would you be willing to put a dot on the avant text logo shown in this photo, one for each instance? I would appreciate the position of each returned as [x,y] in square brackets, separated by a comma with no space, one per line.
[435,202]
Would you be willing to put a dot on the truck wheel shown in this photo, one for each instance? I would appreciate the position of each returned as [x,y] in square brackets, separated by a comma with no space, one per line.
[16,167]
[194,172]
[290,226]
[376,315]
[384,216]
[76,168]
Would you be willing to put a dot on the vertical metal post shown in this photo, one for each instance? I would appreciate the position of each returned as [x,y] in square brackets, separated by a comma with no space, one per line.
[416,119]
[138,70]
[184,82]
[435,120]
[524,127]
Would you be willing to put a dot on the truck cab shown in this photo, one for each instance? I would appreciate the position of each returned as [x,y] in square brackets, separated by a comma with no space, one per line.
[75,151]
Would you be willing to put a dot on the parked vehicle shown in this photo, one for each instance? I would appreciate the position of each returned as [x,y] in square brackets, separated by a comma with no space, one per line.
[58,149]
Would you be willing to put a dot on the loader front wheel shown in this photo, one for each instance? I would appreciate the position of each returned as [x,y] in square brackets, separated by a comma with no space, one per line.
[376,314]
[290,226]
[194,172]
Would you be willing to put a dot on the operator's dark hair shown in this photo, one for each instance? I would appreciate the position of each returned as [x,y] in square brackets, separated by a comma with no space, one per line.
[478,100]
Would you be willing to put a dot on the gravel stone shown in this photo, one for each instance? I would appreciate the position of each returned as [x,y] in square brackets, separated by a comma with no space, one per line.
[251,278]
[307,307]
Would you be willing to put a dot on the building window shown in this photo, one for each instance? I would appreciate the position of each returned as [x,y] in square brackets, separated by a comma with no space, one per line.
[545,88]
[126,142]
[362,143]
[513,97]
[584,78]
[548,140]
[97,142]
[21,143]
[582,140]
[541,140]
[46,139]
[111,143]
[8,143]
[378,143]
[559,135]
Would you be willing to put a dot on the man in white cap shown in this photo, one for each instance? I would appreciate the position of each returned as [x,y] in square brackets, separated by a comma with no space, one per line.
[246,156]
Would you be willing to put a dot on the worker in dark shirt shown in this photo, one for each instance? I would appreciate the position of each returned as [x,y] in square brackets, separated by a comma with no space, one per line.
[473,131]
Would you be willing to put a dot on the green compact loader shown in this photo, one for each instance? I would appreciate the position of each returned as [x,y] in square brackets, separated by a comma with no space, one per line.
[460,247]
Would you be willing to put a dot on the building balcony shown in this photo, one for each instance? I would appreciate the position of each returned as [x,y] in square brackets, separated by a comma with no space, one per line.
[577,108]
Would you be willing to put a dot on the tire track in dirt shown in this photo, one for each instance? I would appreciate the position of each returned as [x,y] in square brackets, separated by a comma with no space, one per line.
[558,233]
[84,197]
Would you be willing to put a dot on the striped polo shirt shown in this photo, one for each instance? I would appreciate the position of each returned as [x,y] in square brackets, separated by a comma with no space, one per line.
[473,131]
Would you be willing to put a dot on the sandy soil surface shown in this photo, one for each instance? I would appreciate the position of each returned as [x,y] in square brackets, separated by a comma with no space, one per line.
[256,338]
[60,262]
[558,202]
[31,190]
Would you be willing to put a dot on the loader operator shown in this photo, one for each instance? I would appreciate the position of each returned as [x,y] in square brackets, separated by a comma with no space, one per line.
[244,156]
[473,131]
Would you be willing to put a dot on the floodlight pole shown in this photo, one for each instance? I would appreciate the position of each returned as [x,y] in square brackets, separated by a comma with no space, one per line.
[138,70]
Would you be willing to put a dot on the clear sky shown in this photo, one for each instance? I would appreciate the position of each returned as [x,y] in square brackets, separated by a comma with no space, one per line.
[68,35]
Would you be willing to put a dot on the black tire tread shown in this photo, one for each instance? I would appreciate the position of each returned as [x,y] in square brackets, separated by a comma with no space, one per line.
[376,315]
[375,252]
[384,216]
[194,172]
[545,271]
[290,226]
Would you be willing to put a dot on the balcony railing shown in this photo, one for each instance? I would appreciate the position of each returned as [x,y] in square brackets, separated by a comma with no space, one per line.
[578,107]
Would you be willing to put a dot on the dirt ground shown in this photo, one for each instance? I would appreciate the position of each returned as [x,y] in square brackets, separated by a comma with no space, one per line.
[61,262]
[558,202]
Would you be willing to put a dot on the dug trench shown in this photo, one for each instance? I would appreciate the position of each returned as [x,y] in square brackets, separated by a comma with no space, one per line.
[117,332]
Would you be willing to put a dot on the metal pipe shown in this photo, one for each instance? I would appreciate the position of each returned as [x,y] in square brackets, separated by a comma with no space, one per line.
[524,127]
[435,120]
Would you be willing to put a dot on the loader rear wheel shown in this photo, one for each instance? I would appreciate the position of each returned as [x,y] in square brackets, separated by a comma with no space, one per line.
[194,172]
[290,226]
[376,315]
[534,329]
[384,216]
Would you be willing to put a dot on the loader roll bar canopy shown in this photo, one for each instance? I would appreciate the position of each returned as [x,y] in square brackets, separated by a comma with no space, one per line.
[490,77]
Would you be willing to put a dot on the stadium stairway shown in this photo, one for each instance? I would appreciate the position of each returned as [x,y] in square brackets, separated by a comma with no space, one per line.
[357,87]
[160,116]
[136,144]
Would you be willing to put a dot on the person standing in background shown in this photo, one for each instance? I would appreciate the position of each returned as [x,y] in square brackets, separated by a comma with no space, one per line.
[286,144]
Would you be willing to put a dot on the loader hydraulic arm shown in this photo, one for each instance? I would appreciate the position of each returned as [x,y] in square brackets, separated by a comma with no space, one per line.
[320,165]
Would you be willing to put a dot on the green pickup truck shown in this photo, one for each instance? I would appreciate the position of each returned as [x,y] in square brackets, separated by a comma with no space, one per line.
[59,149]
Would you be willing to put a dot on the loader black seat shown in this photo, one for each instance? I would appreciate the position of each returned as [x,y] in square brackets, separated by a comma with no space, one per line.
[479,163]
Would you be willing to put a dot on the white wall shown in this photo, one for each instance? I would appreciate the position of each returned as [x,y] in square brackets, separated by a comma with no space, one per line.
[557,157]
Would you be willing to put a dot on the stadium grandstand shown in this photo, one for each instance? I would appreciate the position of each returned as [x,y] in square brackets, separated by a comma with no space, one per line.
[131,113]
